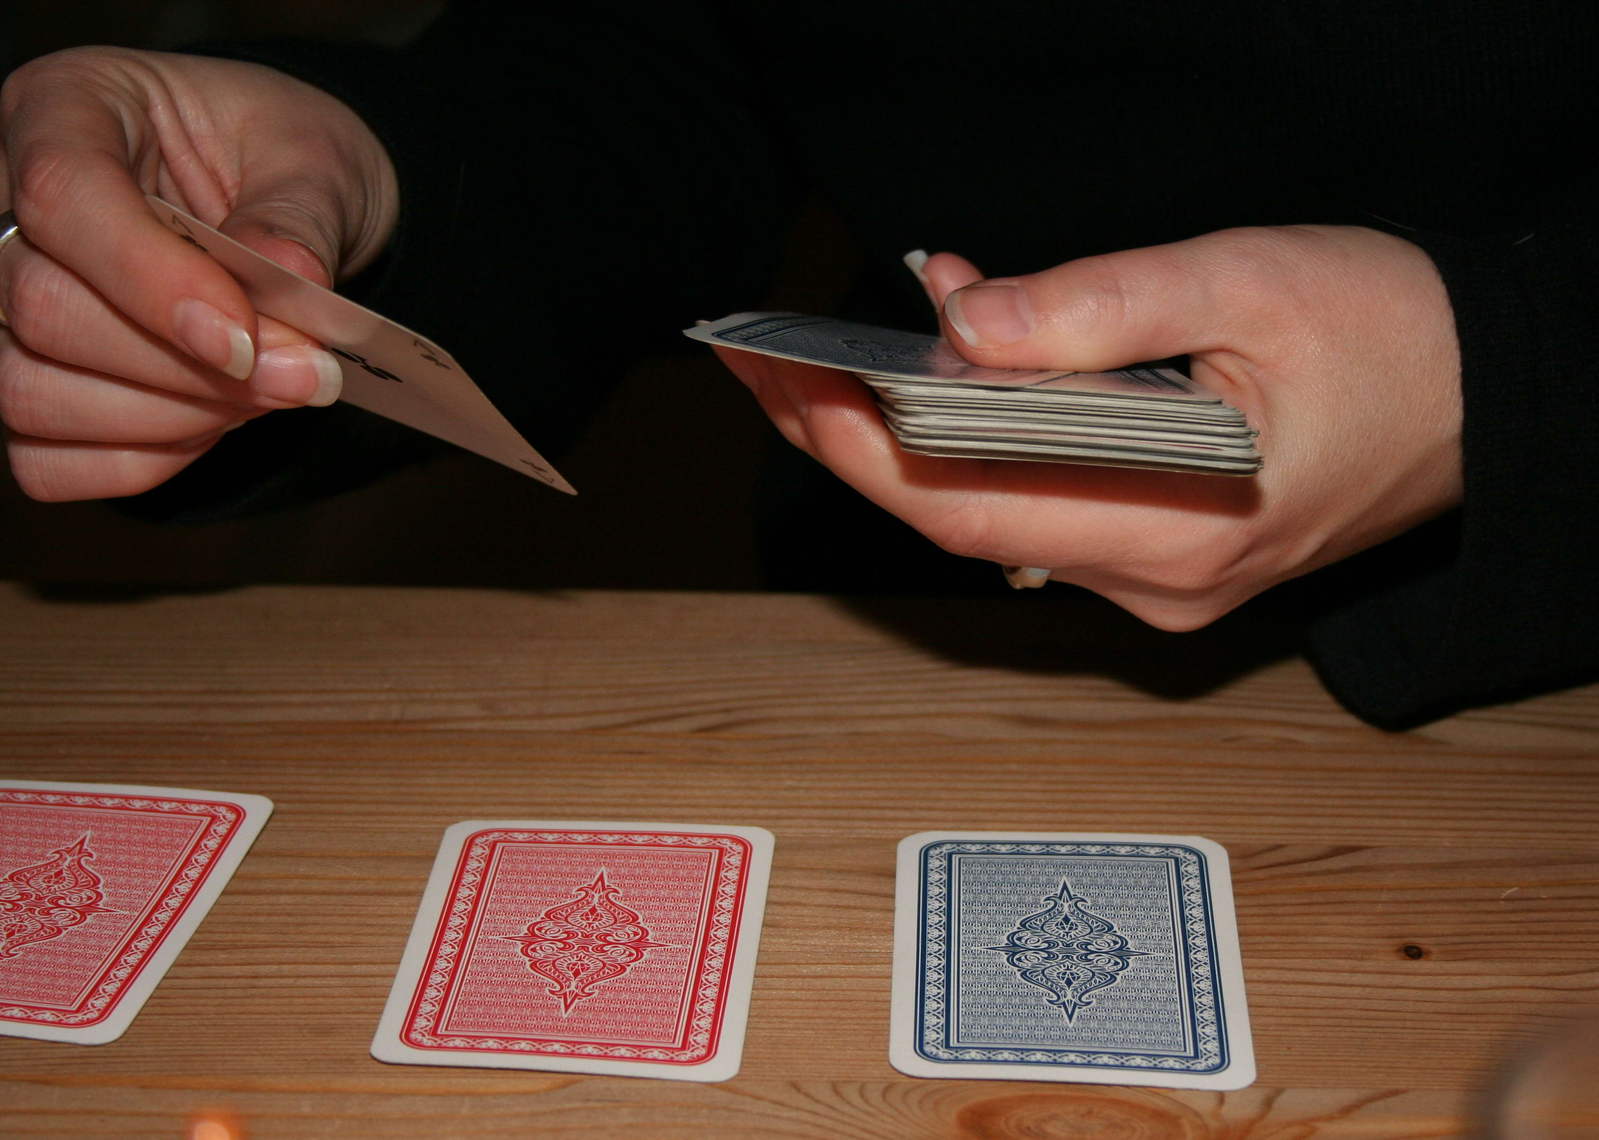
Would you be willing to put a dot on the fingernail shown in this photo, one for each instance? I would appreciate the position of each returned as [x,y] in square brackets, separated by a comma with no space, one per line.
[1026,577]
[211,337]
[299,375]
[915,260]
[990,314]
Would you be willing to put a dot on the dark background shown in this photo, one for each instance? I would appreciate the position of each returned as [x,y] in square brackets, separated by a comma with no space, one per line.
[666,476]
[684,484]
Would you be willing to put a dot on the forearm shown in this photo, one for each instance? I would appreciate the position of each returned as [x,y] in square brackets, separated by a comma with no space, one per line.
[1496,603]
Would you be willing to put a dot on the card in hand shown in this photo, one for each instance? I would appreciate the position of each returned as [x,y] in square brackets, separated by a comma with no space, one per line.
[100,887]
[1110,959]
[387,369]
[619,948]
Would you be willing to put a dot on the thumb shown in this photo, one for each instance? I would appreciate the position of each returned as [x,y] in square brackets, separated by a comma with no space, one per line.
[1097,313]
[288,225]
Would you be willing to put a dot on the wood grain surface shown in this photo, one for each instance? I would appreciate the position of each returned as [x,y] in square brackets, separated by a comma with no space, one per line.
[1415,909]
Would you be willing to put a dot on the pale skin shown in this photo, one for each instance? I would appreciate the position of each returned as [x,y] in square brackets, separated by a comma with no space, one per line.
[1337,342]
[130,353]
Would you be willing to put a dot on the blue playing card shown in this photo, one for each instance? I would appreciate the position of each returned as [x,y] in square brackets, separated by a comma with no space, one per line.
[1106,958]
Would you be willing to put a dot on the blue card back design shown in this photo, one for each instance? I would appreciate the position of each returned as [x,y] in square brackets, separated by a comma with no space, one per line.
[1089,955]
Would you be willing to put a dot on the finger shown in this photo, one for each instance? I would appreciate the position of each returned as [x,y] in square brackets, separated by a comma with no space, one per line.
[321,203]
[947,272]
[45,399]
[778,386]
[941,273]
[1109,311]
[59,471]
[1035,514]
[70,155]
[56,315]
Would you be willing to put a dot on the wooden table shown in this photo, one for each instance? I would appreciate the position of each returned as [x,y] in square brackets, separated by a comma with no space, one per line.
[1413,908]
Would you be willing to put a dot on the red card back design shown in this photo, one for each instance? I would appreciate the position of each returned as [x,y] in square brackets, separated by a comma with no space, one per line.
[597,944]
[93,886]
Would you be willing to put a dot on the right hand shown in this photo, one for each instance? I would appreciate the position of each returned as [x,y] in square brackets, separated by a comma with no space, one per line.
[130,352]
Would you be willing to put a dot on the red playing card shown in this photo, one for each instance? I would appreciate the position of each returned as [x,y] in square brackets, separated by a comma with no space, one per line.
[100,887]
[618,948]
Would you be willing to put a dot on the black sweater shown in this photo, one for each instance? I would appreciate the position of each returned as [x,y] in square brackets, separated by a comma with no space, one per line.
[559,170]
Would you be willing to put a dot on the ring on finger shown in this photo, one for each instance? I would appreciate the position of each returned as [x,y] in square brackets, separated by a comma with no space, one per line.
[8,230]
[1025,577]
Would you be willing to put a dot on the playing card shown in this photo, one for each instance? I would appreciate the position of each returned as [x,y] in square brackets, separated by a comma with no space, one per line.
[387,369]
[1110,959]
[881,352]
[100,887]
[621,948]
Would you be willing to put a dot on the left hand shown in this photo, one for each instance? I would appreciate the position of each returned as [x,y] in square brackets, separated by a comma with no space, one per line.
[1338,343]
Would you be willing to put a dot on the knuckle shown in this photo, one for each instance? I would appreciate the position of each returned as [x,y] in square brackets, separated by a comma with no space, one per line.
[1187,589]
[56,474]
[33,290]
[1171,616]
[49,174]
[69,67]
[1223,561]
[1189,577]
[20,409]
[1256,266]
[38,473]
[1246,261]
[964,529]
[1099,296]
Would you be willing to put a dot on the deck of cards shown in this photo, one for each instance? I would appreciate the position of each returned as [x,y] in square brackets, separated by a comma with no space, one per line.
[629,949]
[936,403]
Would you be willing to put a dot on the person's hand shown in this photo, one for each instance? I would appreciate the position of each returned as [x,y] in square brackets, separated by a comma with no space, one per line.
[128,351]
[1338,343]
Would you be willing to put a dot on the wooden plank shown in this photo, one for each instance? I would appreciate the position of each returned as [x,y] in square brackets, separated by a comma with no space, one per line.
[1414,908]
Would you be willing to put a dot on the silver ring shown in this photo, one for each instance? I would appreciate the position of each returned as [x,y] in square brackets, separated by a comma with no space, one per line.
[1025,577]
[8,230]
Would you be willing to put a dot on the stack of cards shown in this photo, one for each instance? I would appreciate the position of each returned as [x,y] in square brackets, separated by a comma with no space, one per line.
[936,403]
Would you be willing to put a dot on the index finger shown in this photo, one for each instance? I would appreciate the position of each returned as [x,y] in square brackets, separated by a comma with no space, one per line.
[71,156]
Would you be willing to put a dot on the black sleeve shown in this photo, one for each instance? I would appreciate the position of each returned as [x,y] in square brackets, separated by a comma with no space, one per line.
[574,190]
[1495,602]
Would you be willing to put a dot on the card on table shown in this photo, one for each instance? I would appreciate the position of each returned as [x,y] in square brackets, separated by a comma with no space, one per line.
[100,887]
[617,948]
[1110,959]
[387,369]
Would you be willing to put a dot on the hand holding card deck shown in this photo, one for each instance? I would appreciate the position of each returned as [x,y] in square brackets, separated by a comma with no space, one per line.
[937,403]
